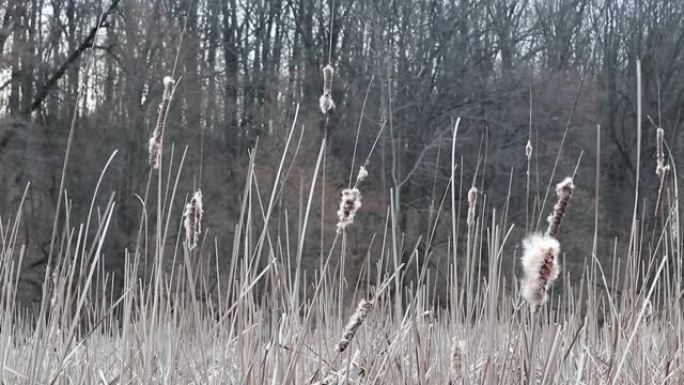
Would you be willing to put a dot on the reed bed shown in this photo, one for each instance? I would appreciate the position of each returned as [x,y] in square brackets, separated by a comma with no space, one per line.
[269,321]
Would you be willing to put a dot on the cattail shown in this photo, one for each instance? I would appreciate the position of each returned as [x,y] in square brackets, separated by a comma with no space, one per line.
[456,362]
[564,191]
[193,220]
[661,167]
[528,150]
[472,203]
[349,204]
[540,268]
[331,379]
[156,139]
[326,102]
[353,325]
[363,174]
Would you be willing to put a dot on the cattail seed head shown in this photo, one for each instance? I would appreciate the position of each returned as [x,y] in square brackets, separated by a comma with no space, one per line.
[326,102]
[363,174]
[328,72]
[564,191]
[661,167]
[349,204]
[456,362]
[155,142]
[472,203]
[362,311]
[193,220]
[540,268]
[528,150]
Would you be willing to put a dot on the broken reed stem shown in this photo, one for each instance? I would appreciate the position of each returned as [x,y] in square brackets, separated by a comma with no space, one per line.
[193,220]
[362,311]
[155,142]
[564,191]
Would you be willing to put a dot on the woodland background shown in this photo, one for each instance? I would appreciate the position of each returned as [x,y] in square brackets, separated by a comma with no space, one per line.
[511,69]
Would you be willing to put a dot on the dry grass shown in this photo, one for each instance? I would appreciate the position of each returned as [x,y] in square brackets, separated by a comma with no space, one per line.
[179,328]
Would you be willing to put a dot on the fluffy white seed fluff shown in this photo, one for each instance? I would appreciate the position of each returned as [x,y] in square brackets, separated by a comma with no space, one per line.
[349,205]
[540,268]
[363,174]
[661,167]
[325,103]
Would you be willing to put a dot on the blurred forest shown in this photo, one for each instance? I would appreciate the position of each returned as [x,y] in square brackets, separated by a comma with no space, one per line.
[513,70]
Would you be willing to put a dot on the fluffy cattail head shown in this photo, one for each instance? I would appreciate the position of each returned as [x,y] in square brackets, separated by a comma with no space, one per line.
[564,191]
[326,102]
[362,311]
[661,167]
[349,204]
[472,203]
[155,142]
[456,362]
[540,268]
[362,175]
[193,220]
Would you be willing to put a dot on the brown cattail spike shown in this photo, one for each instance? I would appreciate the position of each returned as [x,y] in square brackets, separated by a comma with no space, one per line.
[472,203]
[326,102]
[353,325]
[540,267]
[456,362]
[564,191]
[193,220]
[156,139]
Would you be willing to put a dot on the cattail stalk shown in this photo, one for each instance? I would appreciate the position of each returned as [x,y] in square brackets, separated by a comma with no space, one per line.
[155,142]
[564,191]
[193,220]
[362,311]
